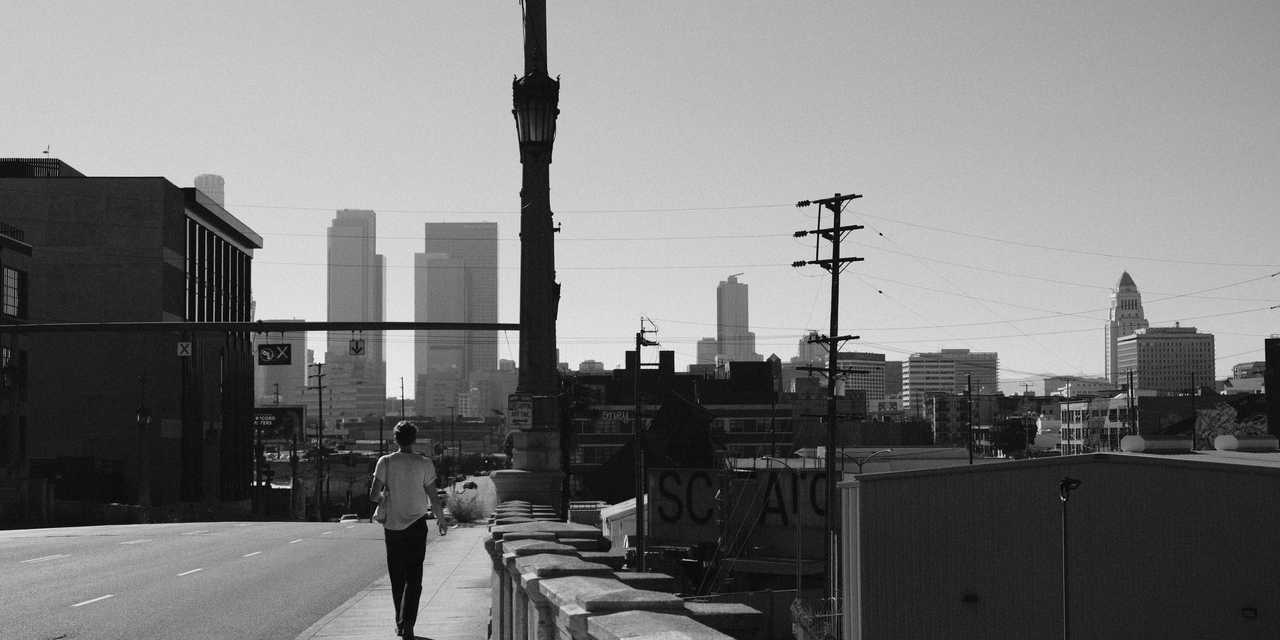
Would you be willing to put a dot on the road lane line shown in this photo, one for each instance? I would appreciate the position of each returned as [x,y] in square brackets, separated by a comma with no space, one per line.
[250,555]
[142,541]
[195,533]
[187,573]
[326,533]
[43,558]
[295,541]
[97,599]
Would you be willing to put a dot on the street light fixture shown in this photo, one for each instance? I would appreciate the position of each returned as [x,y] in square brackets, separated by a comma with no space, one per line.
[535,101]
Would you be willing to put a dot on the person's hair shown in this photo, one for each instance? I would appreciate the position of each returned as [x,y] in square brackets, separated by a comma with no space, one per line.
[405,433]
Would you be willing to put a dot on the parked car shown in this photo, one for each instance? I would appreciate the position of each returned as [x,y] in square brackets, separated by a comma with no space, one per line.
[348,517]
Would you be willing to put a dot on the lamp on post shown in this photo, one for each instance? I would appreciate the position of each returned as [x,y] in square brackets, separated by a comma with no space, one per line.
[1065,487]
[535,102]
[863,461]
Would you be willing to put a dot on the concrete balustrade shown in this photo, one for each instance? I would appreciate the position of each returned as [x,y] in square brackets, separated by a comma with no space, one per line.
[556,580]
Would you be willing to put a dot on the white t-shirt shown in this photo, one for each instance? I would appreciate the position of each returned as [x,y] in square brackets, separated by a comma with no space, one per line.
[407,477]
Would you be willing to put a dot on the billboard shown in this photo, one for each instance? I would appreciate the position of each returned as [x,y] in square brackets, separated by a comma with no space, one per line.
[279,422]
[762,509]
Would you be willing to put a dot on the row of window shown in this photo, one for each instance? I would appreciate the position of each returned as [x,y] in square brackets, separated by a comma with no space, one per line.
[217,278]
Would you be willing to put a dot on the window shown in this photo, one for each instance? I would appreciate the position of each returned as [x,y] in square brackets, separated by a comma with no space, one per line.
[14,302]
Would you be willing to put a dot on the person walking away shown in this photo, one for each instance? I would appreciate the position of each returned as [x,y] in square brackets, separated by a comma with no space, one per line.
[404,487]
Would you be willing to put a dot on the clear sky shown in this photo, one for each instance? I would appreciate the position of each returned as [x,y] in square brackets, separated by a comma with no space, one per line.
[1014,159]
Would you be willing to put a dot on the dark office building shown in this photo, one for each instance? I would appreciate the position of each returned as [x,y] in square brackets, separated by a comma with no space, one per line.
[147,418]
[15,258]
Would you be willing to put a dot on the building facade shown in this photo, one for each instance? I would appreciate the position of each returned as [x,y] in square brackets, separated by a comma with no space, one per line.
[147,418]
[1167,360]
[455,280]
[15,276]
[948,371]
[864,372]
[356,290]
[1125,317]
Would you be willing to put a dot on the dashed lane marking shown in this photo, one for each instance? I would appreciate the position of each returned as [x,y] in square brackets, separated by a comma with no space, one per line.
[326,533]
[142,541]
[295,541]
[250,555]
[97,599]
[46,558]
[187,573]
[195,533]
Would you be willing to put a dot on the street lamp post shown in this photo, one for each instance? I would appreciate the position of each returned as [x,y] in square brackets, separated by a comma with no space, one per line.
[537,473]
[1065,487]
[863,460]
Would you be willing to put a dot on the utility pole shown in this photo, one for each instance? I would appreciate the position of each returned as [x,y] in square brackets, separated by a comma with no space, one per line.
[968,398]
[402,397]
[638,445]
[319,460]
[834,265]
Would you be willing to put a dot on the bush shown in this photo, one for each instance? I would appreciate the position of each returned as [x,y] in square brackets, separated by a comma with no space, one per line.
[464,507]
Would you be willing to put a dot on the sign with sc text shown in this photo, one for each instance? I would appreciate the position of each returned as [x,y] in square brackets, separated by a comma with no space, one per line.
[269,354]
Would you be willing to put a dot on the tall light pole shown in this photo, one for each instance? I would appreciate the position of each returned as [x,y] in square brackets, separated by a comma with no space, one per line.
[535,102]
[1065,487]
[537,473]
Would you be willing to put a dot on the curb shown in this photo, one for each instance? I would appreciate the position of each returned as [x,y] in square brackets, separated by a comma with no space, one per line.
[314,629]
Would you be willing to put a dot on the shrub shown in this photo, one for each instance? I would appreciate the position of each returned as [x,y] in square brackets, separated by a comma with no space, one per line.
[464,507]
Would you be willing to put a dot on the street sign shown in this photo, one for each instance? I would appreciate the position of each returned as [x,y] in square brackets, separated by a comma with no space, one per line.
[184,349]
[269,354]
[356,347]
[520,411]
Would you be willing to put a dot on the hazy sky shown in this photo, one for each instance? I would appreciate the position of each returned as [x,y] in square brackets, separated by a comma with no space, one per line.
[1014,160]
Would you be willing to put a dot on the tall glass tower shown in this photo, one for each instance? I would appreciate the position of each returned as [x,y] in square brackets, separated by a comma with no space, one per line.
[356,382]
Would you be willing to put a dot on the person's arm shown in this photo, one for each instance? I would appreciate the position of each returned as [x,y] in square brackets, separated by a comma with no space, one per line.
[378,483]
[429,485]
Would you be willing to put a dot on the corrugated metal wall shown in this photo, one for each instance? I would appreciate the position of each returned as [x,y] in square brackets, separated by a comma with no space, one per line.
[1159,548]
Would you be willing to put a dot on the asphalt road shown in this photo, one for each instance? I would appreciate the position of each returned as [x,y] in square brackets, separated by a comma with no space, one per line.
[190,580]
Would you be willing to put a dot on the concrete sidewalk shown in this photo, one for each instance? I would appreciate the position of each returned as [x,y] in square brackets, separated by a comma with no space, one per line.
[455,595]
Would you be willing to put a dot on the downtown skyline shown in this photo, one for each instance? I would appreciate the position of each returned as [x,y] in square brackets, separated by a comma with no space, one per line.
[1014,161]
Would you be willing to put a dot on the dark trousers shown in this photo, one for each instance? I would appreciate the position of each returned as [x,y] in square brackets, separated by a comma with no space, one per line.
[406,550]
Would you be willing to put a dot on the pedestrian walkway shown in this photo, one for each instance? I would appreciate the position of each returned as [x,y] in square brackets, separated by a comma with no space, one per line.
[455,595]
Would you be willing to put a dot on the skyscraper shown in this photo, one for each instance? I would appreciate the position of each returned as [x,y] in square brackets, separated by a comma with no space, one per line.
[455,280]
[1125,317]
[356,381]
[732,337]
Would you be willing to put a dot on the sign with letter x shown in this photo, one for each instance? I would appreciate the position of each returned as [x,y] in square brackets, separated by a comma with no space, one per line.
[275,354]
